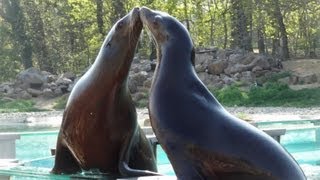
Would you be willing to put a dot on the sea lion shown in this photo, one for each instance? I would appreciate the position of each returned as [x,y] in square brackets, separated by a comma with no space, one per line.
[99,128]
[203,140]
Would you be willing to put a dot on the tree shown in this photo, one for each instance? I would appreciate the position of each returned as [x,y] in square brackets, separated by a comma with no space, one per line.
[12,13]
[240,21]
[37,33]
[99,12]
[284,53]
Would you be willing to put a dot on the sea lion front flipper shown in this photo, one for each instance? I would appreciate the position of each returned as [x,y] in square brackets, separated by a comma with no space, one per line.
[124,158]
[65,163]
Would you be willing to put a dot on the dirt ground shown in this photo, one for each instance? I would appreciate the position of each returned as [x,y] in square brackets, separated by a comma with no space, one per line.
[303,66]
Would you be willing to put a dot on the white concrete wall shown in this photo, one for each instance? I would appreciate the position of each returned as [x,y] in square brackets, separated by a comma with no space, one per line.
[8,145]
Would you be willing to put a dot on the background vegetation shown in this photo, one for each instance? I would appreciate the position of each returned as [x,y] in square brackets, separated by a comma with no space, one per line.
[59,36]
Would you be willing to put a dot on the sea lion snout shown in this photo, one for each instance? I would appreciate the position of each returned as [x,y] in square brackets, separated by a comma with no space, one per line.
[145,14]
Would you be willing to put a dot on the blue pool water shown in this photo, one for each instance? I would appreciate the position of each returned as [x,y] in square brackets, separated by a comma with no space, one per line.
[37,145]
[301,140]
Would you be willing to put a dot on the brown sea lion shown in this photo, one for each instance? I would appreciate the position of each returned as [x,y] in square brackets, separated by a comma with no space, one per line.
[99,128]
[202,139]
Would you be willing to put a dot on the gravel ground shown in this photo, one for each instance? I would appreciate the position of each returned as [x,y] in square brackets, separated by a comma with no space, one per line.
[248,113]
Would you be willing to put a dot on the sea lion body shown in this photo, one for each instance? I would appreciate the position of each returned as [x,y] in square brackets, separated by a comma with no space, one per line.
[202,140]
[99,128]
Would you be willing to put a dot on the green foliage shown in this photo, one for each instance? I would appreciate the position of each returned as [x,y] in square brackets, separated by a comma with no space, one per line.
[8,105]
[231,95]
[65,34]
[61,102]
[271,94]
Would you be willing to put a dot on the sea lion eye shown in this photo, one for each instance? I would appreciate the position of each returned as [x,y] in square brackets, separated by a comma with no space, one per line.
[120,25]
[156,20]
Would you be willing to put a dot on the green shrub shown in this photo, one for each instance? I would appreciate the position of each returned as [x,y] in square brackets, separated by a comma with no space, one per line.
[271,94]
[231,96]
[19,105]
[61,102]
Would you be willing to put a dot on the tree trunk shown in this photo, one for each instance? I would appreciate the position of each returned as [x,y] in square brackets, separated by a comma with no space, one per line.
[185,3]
[99,14]
[38,37]
[13,14]
[260,29]
[118,10]
[282,29]
[239,22]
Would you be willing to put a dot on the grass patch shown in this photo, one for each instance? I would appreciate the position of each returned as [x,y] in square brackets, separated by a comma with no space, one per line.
[61,102]
[271,94]
[17,105]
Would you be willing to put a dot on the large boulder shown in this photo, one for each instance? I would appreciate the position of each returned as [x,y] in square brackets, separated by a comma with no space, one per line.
[34,92]
[139,78]
[6,88]
[31,78]
[217,67]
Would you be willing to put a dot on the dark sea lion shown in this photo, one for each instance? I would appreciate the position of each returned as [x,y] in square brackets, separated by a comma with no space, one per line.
[99,128]
[201,139]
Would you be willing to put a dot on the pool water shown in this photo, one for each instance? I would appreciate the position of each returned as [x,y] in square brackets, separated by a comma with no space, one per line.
[301,140]
[37,146]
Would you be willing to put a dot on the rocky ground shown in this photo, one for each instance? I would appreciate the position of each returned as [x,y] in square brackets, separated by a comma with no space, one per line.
[215,67]
[253,114]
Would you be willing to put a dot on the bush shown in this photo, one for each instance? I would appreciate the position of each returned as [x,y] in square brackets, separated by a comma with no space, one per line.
[61,102]
[231,96]
[271,94]
[8,105]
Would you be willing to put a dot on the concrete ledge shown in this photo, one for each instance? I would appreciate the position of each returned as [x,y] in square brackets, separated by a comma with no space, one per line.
[8,145]
[275,133]
[8,162]
[151,178]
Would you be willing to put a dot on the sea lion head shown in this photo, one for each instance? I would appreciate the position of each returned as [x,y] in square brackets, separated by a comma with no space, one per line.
[166,30]
[120,44]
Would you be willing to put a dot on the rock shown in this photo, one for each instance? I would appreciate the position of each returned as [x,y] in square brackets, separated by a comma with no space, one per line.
[142,65]
[235,58]
[261,61]
[236,68]
[48,93]
[132,85]
[237,76]
[138,96]
[147,83]
[63,81]
[307,79]
[217,67]
[25,95]
[200,68]
[204,77]
[248,58]
[293,79]
[52,78]
[146,122]
[285,80]
[221,54]
[7,88]
[261,73]
[57,92]
[34,92]
[64,88]
[69,75]
[139,78]
[31,78]
[227,80]
[203,58]
[247,77]
[256,68]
